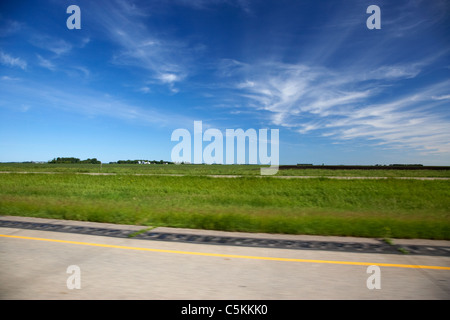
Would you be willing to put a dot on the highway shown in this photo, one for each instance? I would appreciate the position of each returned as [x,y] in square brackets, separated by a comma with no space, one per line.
[66,262]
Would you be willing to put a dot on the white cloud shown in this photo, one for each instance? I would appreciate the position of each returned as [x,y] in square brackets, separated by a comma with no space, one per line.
[443,97]
[9,27]
[10,61]
[8,78]
[52,44]
[85,101]
[144,90]
[164,59]
[85,71]
[45,63]
[340,105]
[168,77]
[396,71]
[84,42]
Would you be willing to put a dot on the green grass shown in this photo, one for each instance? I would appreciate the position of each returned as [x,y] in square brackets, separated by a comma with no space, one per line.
[365,173]
[134,168]
[388,208]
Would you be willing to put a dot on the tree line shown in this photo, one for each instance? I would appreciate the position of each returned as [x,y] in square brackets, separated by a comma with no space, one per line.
[142,162]
[74,160]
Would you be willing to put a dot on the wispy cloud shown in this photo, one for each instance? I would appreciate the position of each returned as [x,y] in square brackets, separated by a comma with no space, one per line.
[165,60]
[414,121]
[443,97]
[84,42]
[390,72]
[85,72]
[207,4]
[403,20]
[9,27]
[92,103]
[45,63]
[8,78]
[10,61]
[53,44]
[144,89]
[344,106]
[170,79]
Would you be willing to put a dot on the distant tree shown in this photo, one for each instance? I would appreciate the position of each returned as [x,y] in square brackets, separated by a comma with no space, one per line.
[128,161]
[91,161]
[65,160]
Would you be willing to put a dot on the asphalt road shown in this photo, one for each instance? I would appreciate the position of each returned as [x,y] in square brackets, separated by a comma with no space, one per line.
[50,264]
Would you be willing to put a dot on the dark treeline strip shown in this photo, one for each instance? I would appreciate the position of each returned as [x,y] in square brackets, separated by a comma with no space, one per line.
[376,167]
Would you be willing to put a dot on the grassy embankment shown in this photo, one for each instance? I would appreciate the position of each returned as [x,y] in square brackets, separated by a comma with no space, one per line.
[369,208]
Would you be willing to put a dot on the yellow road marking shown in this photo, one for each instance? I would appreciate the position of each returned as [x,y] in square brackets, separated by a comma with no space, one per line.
[355,263]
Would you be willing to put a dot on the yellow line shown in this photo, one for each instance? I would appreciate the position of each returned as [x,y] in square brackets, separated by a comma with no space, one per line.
[231,255]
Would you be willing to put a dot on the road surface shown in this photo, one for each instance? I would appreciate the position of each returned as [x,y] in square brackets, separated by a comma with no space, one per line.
[66,264]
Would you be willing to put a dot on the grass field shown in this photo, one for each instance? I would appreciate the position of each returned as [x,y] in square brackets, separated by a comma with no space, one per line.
[388,208]
[247,170]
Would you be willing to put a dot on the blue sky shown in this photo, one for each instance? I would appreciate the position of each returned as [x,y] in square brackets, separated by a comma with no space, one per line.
[117,88]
